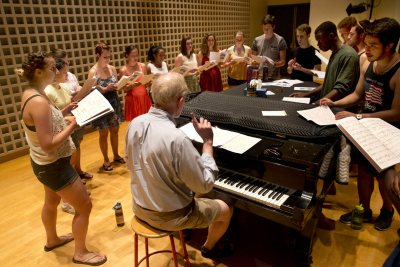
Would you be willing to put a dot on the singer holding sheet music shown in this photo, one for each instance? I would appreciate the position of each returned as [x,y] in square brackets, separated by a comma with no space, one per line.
[106,79]
[187,59]
[210,80]
[379,87]
[51,146]
[237,57]
[137,99]
[270,45]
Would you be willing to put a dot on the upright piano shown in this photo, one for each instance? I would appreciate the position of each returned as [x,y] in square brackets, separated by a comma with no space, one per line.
[278,177]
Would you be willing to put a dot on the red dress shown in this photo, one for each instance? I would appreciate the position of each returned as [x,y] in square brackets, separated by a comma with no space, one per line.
[210,80]
[137,101]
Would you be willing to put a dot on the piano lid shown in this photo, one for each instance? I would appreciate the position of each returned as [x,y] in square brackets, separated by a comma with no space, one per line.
[245,113]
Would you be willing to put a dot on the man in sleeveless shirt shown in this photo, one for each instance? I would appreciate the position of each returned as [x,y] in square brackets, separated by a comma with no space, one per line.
[379,87]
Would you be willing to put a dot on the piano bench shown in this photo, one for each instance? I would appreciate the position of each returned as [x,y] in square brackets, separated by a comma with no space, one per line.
[141,228]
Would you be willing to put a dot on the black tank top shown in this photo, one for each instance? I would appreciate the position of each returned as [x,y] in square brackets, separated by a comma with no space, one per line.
[378,95]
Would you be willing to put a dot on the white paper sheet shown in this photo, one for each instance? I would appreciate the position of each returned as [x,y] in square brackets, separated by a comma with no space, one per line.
[304,100]
[321,115]
[320,56]
[229,140]
[275,113]
[320,74]
[300,88]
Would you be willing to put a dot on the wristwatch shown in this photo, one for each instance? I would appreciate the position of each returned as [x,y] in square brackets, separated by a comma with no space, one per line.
[359,116]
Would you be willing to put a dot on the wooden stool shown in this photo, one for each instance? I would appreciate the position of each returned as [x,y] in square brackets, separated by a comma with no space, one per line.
[141,228]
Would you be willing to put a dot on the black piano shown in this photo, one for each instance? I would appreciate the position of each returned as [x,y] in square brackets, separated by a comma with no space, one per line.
[278,177]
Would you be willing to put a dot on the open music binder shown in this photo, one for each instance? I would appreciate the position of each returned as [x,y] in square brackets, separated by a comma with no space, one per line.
[92,107]
[376,139]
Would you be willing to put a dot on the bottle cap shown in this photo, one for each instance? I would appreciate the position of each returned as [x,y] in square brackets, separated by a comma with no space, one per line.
[117,205]
[359,207]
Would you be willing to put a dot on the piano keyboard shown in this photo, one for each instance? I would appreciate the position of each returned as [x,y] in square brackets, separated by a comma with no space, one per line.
[255,189]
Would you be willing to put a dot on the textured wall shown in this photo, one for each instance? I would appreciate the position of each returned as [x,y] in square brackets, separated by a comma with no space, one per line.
[77,25]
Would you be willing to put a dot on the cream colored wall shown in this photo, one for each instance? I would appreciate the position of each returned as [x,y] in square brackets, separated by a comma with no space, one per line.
[324,10]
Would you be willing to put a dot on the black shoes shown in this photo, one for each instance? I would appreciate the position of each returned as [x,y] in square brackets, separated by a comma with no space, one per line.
[223,248]
[382,223]
[384,220]
[346,218]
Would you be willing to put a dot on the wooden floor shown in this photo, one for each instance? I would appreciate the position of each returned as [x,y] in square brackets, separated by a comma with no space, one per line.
[259,242]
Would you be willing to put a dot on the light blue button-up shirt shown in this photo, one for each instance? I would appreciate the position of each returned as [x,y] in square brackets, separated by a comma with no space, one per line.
[165,168]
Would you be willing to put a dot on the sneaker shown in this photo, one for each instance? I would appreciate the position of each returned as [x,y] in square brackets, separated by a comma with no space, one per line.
[346,218]
[210,253]
[67,208]
[384,220]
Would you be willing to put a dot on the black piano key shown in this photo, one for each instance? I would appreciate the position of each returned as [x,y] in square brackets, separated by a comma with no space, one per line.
[274,192]
[266,186]
[277,192]
[243,181]
[250,185]
[247,183]
[282,193]
[257,186]
[235,179]
[271,188]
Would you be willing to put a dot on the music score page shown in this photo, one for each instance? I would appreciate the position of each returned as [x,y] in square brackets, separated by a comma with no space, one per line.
[228,140]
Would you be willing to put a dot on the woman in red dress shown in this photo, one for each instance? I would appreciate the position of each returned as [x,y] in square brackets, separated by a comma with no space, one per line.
[137,100]
[210,80]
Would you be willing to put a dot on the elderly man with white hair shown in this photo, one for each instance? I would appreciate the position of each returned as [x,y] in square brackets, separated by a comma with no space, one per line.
[166,169]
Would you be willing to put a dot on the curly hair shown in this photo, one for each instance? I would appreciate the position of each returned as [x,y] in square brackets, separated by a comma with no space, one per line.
[34,60]
[204,45]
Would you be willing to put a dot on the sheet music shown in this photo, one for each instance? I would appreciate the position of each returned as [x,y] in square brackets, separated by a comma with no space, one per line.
[321,57]
[320,74]
[214,56]
[241,143]
[228,140]
[321,115]
[304,100]
[378,140]
[93,106]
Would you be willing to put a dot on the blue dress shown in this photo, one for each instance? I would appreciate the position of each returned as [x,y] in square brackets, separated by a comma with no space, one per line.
[112,119]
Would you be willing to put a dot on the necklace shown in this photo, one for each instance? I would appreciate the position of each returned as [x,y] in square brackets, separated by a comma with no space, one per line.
[382,69]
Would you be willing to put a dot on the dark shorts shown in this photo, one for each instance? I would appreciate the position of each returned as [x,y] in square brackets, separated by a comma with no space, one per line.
[199,214]
[77,136]
[358,158]
[56,175]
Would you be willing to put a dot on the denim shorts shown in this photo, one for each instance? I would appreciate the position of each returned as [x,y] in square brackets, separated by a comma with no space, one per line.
[56,175]
[199,214]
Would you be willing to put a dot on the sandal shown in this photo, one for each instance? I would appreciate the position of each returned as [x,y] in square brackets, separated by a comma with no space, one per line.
[119,160]
[88,259]
[86,175]
[107,166]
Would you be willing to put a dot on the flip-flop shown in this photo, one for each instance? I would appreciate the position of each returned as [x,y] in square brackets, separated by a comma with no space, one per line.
[85,175]
[119,160]
[107,167]
[68,239]
[88,257]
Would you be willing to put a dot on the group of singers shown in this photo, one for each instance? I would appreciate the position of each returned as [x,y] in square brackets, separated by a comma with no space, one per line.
[166,170]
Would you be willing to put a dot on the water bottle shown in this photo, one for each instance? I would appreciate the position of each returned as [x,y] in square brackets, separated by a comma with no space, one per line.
[119,215]
[357,217]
